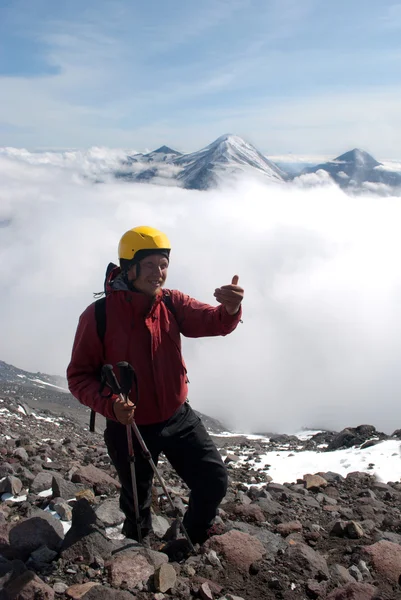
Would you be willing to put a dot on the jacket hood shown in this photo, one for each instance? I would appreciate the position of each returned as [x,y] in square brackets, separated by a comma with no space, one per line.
[114,280]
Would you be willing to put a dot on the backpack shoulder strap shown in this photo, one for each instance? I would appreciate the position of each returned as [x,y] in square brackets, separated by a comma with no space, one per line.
[100,317]
[169,304]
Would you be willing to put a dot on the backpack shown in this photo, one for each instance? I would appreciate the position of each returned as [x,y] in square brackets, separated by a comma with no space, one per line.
[101,322]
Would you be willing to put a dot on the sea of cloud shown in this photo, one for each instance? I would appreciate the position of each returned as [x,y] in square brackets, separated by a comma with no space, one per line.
[320,342]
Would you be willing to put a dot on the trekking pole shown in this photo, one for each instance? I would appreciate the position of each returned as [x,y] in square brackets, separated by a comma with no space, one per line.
[127,376]
[123,392]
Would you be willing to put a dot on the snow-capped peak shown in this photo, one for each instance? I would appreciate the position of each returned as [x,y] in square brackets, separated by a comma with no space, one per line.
[358,157]
[227,155]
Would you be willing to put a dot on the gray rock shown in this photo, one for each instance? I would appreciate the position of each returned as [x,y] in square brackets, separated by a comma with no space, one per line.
[22,454]
[332,477]
[42,482]
[243,498]
[63,509]
[154,558]
[276,488]
[43,555]
[213,559]
[355,530]
[340,575]
[26,475]
[231,458]
[205,592]
[324,499]
[362,566]
[11,485]
[269,507]
[41,529]
[100,592]
[62,488]
[311,502]
[86,536]
[109,513]
[94,543]
[355,572]
[165,578]
[10,570]
[389,536]
[6,469]
[305,558]
[60,587]
[160,525]
[339,529]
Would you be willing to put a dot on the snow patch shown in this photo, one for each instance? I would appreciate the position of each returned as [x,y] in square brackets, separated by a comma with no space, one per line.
[382,460]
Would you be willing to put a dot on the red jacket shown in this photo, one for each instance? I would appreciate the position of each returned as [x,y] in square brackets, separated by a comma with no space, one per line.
[149,339]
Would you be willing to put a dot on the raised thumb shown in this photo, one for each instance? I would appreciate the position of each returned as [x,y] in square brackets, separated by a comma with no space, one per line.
[235,280]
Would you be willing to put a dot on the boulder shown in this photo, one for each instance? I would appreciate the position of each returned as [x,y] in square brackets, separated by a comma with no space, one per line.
[353,591]
[385,558]
[129,569]
[239,549]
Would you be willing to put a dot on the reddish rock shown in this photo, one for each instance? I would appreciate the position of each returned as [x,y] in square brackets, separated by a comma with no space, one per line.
[314,482]
[316,589]
[385,558]
[239,549]
[129,569]
[78,591]
[249,512]
[28,586]
[353,591]
[91,475]
[285,529]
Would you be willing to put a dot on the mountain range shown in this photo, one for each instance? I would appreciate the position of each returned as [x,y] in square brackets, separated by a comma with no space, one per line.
[230,157]
[224,159]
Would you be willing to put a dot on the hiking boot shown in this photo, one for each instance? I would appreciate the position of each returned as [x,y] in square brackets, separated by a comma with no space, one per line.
[176,550]
[172,532]
[130,531]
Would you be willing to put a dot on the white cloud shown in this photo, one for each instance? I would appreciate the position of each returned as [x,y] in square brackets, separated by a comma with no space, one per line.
[320,342]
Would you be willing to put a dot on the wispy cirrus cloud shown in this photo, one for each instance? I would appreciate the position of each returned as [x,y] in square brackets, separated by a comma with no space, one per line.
[116,72]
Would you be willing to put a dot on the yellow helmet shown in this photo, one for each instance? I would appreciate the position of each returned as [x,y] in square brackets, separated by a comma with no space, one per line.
[140,241]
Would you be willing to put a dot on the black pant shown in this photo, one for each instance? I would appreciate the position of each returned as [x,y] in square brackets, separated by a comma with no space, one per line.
[191,452]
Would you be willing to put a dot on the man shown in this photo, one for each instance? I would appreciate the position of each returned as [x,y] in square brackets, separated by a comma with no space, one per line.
[143,327]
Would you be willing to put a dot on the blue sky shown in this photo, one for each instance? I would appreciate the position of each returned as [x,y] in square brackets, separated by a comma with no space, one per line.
[308,77]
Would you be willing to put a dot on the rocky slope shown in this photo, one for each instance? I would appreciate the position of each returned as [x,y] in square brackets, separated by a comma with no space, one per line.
[323,536]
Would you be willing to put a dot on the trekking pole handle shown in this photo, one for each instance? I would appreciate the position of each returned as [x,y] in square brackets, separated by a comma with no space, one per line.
[127,377]
[111,379]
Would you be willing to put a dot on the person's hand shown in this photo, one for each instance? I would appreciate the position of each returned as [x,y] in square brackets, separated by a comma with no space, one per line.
[124,411]
[230,296]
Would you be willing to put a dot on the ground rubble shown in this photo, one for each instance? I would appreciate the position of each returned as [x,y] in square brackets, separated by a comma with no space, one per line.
[320,537]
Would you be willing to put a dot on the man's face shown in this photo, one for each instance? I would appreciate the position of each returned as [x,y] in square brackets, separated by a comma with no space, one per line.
[152,274]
